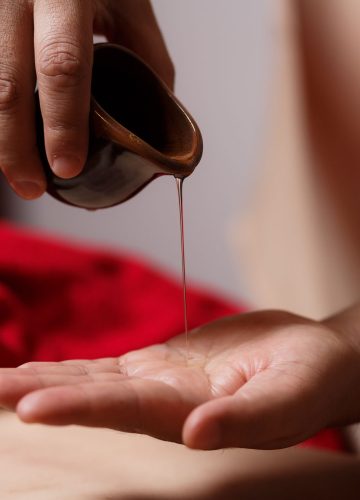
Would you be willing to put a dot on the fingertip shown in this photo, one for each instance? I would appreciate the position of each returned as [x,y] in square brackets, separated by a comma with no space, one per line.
[201,433]
[28,189]
[67,167]
[26,178]
[27,408]
[56,405]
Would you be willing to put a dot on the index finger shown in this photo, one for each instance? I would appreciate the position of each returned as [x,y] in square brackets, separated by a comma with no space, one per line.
[63,59]
[130,405]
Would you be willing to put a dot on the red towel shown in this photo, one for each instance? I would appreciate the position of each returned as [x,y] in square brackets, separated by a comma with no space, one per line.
[59,301]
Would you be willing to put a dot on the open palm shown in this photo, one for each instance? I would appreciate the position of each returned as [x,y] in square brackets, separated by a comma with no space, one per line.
[252,381]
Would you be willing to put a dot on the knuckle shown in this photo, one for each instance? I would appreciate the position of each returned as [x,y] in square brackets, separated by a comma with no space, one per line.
[57,124]
[9,90]
[63,136]
[62,64]
[29,364]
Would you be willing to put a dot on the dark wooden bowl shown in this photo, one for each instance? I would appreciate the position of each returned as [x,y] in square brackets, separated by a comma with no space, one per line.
[138,131]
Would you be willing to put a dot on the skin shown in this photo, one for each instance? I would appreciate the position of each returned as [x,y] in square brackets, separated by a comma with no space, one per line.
[329,40]
[262,380]
[51,42]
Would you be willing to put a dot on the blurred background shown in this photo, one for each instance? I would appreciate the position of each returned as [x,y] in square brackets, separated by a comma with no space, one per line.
[223,57]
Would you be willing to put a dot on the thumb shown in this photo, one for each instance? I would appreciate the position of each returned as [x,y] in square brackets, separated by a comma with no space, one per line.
[272,410]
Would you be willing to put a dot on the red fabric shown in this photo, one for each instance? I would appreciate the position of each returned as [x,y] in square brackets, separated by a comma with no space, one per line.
[328,439]
[59,301]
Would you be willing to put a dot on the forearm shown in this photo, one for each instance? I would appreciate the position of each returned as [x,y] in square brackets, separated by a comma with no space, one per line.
[329,39]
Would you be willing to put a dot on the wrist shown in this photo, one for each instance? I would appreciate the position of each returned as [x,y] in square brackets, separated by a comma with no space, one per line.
[346,326]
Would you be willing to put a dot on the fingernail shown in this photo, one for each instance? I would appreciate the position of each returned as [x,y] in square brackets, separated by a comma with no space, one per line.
[66,166]
[27,189]
[209,438]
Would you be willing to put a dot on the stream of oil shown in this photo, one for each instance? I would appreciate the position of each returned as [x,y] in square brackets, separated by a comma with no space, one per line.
[179,184]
